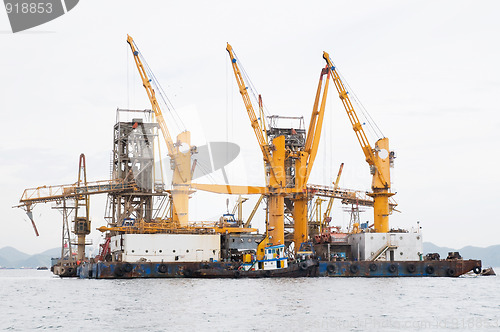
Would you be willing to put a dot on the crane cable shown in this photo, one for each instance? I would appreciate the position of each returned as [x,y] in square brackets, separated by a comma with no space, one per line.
[250,86]
[375,130]
[206,171]
[152,78]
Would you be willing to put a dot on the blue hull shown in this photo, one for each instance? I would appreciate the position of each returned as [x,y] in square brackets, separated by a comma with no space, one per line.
[310,268]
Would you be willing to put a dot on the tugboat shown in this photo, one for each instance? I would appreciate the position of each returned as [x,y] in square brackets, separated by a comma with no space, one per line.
[488,272]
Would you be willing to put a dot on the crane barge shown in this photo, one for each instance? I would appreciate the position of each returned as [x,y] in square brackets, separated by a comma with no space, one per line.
[144,241]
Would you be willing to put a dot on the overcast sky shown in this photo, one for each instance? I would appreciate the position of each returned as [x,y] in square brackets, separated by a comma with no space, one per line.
[426,71]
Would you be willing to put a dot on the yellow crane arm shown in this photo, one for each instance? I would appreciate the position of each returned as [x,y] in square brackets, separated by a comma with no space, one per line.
[152,97]
[230,189]
[330,201]
[250,217]
[245,190]
[353,117]
[316,123]
[264,146]
[46,194]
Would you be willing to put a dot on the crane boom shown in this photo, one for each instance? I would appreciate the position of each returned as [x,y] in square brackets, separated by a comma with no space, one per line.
[252,214]
[356,124]
[316,124]
[379,159]
[330,201]
[152,97]
[181,161]
[264,146]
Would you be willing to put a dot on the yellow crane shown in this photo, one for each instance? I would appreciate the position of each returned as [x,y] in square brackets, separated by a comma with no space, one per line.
[274,162]
[328,211]
[380,158]
[275,155]
[180,157]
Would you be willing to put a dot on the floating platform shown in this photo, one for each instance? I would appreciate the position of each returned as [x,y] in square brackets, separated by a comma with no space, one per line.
[307,268]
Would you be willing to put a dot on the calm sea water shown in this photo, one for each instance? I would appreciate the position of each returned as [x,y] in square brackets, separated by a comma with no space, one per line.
[33,299]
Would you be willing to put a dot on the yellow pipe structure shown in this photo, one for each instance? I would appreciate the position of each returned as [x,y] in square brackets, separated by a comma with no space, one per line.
[379,158]
[276,202]
[181,180]
[381,193]
[181,160]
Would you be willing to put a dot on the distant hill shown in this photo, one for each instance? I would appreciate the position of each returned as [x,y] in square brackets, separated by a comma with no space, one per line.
[54,252]
[12,254]
[13,258]
[490,256]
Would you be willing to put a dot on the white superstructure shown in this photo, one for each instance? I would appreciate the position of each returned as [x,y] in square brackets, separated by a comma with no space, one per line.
[166,247]
[386,246]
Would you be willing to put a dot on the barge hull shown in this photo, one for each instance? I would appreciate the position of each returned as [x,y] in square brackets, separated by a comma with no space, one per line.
[120,270]
[439,268]
[309,268]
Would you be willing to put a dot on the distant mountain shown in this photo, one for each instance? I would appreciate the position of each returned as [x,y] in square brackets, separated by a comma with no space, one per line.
[54,252]
[12,254]
[13,258]
[490,256]
[5,262]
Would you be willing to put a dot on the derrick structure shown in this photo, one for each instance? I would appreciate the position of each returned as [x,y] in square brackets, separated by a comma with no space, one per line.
[82,211]
[131,189]
[72,200]
[133,162]
[295,139]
